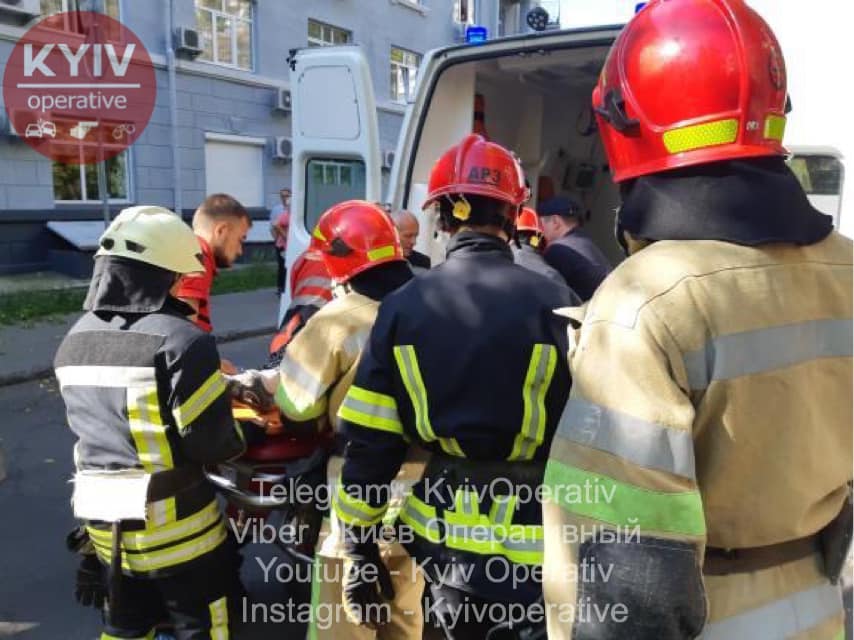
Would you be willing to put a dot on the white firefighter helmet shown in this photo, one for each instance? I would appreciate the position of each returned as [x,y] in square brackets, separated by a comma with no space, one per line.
[153,235]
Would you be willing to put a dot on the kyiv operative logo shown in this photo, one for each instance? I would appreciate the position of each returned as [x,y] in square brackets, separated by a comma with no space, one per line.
[79,87]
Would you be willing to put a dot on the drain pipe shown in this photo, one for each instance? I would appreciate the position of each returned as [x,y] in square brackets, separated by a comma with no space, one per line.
[178,203]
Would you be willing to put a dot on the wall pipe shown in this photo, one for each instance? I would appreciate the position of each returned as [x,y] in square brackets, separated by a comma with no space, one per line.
[178,203]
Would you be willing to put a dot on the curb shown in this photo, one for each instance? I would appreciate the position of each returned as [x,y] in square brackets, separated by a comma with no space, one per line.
[38,373]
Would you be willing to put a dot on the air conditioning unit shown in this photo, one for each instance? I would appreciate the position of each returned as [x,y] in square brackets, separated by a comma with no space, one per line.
[187,42]
[283,101]
[387,160]
[20,10]
[282,148]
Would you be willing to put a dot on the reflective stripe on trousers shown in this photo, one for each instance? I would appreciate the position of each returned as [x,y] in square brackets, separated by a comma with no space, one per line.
[466,529]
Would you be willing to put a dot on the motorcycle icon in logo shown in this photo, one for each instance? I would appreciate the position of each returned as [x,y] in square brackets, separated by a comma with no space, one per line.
[123,130]
[40,129]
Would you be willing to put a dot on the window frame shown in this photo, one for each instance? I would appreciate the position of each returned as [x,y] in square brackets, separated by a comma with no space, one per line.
[320,42]
[232,19]
[65,9]
[82,178]
[409,92]
[336,165]
[356,166]
[458,5]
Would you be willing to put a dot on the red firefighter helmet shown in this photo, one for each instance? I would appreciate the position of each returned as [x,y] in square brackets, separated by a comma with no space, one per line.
[478,167]
[528,220]
[354,236]
[691,82]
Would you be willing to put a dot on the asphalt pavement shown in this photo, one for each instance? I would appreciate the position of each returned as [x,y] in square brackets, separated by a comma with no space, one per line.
[36,571]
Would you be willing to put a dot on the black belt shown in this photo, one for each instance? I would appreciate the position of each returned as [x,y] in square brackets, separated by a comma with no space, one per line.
[722,562]
[165,484]
[485,471]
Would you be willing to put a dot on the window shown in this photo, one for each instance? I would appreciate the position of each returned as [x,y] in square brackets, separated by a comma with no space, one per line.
[225,28]
[464,11]
[818,175]
[51,7]
[79,182]
[330,181]
[235,165]
[325,35]
[404,70]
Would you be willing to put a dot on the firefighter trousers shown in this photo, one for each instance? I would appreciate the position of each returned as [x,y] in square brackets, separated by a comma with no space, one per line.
[201,601]
[329,620]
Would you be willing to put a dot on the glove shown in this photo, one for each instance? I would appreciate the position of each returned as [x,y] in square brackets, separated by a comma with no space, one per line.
[367,585]
[90,589]
[255,388]
[78,541]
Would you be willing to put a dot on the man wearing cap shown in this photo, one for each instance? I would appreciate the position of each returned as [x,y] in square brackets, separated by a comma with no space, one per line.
[570,249]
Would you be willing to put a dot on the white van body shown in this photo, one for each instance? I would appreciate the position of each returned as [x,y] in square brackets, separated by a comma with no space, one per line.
[536,89]
[537,94]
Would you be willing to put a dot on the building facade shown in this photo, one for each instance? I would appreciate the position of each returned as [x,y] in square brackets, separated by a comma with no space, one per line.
[221,119]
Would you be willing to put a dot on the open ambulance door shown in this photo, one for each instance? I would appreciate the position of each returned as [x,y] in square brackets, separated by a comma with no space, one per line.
[335,139]
[534,91]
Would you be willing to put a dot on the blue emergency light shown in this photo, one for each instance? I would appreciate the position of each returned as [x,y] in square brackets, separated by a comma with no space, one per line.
[640,5]
[476,34]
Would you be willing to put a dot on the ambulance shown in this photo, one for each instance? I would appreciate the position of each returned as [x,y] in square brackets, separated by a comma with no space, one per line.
[533,96]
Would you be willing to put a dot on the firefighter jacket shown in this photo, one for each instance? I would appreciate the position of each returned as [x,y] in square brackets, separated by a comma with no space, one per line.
[311,288]
[710,408]
[310,281]
[468,361]
[143,391]
[318,366]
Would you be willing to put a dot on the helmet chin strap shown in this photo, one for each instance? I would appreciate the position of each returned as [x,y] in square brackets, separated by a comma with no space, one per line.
[628,243]
[509,228]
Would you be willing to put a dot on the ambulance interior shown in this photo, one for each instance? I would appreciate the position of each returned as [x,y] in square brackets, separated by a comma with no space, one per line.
[537,104]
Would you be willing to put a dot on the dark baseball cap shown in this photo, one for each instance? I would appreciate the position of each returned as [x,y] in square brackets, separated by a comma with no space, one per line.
[559,206]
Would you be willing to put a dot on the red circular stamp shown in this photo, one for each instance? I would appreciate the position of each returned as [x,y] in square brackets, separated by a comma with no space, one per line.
[79,87]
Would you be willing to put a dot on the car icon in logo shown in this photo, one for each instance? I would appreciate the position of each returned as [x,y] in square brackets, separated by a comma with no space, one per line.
[40,129]
[33,131]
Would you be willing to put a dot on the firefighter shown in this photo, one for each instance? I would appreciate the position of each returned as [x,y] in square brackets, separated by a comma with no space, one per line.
[467,360]
[528,248]
[711,397]
[311,288]
[362,253]
[147,403]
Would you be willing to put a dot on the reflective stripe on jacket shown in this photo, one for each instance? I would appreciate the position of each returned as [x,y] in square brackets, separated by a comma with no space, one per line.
[711,402]
[466,360]
[318,366]
[145,392]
